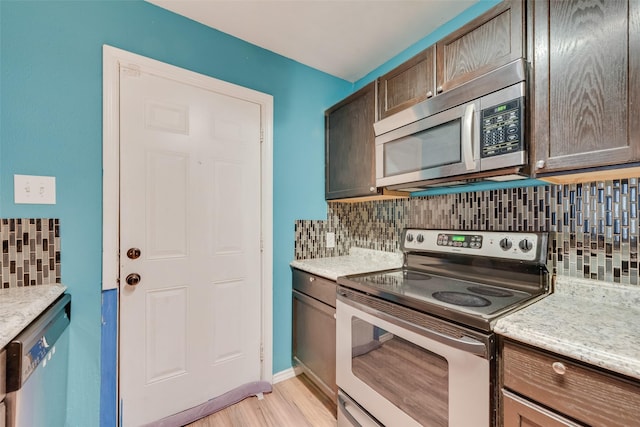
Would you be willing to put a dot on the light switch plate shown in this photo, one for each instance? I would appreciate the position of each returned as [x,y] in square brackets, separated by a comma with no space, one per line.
[31,189]
[331,240]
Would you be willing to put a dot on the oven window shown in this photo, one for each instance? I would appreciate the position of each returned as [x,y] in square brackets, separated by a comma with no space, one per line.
[436,146]
[412,378]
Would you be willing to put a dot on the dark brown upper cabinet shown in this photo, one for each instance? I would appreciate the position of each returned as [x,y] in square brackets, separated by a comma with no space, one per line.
[411,82]
[585,83]
[493,39]
[350,146]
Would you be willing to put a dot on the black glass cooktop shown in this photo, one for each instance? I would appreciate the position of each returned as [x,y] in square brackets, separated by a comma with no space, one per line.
[455,294]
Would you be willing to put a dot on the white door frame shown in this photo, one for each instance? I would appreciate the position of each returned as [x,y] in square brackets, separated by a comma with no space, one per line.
[112,59]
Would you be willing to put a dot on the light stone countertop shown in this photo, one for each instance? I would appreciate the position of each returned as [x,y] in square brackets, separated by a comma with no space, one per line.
[20,306]
[359,260]
[587,320]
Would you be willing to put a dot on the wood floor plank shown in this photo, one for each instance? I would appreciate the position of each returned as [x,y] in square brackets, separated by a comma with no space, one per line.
[294,402]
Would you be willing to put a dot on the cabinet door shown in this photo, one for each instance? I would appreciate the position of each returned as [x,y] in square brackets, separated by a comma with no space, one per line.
[488,42]
[406,85]
[350,146]
[585,85]
[314,342]
[519,412]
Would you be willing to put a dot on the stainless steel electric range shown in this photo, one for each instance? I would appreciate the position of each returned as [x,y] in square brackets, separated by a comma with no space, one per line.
[415,345]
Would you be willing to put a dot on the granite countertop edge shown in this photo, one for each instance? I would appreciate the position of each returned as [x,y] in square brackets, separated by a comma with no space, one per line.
[359,260]
[563,323]
[20,306]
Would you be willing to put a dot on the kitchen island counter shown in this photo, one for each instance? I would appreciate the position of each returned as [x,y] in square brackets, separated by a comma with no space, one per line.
[591,321]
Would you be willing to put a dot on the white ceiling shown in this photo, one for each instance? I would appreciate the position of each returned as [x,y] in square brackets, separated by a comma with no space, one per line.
[347,39]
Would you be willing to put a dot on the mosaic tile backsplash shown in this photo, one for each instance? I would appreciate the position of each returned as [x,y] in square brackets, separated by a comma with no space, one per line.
[593,226]
[30,252]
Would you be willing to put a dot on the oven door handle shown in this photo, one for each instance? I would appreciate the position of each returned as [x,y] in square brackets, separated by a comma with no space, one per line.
[344,404]
[467,344]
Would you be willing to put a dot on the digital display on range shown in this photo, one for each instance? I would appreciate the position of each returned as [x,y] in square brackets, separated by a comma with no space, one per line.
[471,241]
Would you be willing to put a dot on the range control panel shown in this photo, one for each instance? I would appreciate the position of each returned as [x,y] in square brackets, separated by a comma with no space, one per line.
[473,241]
[502,128]
[508,245]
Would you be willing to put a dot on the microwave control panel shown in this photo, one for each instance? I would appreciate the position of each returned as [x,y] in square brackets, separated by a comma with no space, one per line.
[502,128]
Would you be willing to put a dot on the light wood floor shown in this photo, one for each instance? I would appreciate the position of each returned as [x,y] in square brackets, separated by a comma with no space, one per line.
[292,403]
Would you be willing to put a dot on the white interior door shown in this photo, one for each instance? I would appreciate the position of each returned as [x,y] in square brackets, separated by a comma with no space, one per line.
[190,330]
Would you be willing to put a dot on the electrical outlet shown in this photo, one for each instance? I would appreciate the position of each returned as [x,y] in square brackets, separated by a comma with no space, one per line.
[30,189]
[331,240]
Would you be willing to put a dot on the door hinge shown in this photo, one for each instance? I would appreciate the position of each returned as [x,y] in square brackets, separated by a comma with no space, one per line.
[261,245]
[261,353]
[261,135]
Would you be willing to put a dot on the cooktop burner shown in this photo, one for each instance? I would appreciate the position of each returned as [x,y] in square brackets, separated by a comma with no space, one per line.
[491,292]
[461,298]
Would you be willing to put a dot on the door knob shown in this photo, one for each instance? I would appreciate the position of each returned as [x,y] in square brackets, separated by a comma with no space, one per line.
[133,279]
[134,253]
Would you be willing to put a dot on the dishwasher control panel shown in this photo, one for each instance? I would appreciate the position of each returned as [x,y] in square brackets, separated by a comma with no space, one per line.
[35,344]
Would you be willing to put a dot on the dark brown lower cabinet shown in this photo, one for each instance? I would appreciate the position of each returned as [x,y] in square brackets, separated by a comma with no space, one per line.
[519,412]
[314,330]
[547,390]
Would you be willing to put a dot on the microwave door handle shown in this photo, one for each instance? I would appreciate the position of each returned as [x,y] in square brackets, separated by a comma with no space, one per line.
[467,137]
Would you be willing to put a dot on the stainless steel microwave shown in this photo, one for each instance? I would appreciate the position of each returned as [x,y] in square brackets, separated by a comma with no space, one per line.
[464,133]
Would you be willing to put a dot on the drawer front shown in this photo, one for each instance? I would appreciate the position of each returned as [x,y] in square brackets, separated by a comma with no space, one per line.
[584,394]
[314,286]
[519,412]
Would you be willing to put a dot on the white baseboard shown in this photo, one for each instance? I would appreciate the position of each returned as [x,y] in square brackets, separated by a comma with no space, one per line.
[284,375]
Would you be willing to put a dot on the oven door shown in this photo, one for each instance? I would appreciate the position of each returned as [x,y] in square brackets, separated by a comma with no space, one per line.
[406,368]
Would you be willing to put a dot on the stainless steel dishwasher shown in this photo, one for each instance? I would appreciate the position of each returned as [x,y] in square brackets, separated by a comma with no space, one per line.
[314,330]
[37,366]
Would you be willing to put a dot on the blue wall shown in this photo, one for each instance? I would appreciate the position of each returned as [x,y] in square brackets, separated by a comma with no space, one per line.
[51,124]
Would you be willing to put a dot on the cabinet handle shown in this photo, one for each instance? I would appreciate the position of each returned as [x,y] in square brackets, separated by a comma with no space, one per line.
[429,94]
[540,164]
[439,89]
[311,279]
[559,368]
[372,189]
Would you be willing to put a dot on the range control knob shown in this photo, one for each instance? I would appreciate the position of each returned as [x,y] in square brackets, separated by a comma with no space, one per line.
[525,245]
[420,238]
[505,244]
[409,237]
